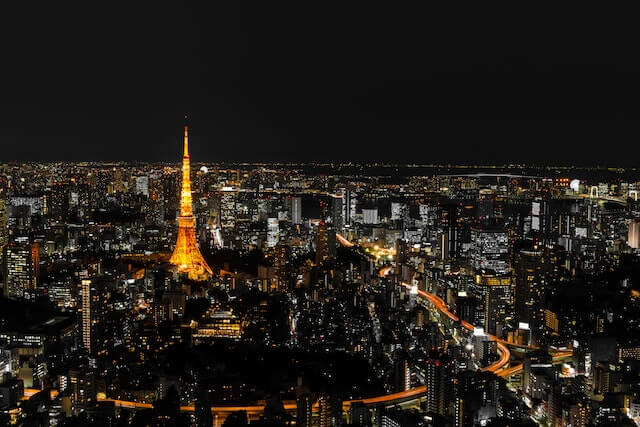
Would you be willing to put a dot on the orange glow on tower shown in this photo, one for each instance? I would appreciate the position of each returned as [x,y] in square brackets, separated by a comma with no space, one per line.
[186,256]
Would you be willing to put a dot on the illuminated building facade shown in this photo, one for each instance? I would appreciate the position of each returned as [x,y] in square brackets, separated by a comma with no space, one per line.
[21,269]
[296,210]
[633,239]
[490,250]
[497,295]
[94,312]
[186,256]
[325,243]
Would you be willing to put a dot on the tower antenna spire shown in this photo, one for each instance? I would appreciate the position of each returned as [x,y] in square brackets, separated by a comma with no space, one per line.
[186,136]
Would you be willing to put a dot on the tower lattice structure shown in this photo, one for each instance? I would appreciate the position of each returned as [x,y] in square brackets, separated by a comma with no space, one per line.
[186,256]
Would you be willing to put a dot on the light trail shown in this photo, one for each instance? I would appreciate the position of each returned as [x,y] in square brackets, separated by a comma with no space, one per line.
[344,241]
[516,369]
[413,393]
[440,305]
[385,271]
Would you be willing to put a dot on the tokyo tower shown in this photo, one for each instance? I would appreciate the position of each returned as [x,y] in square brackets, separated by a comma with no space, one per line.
[186,256]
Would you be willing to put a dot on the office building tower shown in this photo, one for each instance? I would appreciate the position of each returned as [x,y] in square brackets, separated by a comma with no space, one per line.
[186,255]
[325,243]
[142,185]
[4,230]
[439,373]
[227,208]
[401,372]
[359,414]
[296,210]
[330,408]
[273,232]
[449,217]
[399,211]
[82,388]
[94,305]
[282,265]
[370,216]
[337,212]
[490,249]
[532,271]
[348,206]
[633,239]
[22,260]
[304,405]
[496,292]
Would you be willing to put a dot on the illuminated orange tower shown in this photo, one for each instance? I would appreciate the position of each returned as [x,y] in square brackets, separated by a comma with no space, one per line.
[186,256]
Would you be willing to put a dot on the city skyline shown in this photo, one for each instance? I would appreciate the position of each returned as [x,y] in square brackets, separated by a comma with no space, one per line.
[233,214]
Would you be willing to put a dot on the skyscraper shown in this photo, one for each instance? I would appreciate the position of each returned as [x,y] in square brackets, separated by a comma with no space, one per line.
[296,210]
[533,270]
[633,240]
[370,216]
[497,293]
[325,243]
[94,312]
[21,269]
[490,248]
[439,373]
[273,232]
[337,214]
[187,256]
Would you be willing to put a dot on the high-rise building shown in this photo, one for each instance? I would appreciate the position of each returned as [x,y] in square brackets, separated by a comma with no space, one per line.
[476,397]
[490,249]
[142,185]
[439,373]
[401,372]
[22,260]
[273,232]
[633,239]
[304,405]
[94,299]
[330,407]
[227,208]
[282,265]
[296,210]
[337,212]
[82,388]
[86,314]
[348,206]
[399,211]
[325,243]
[531,273]
[370,216]
[4,231]
[529,282]
[186,255]
[497,297]
[359,414]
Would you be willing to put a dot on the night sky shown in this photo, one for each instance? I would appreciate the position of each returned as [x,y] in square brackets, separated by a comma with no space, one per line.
[333,81]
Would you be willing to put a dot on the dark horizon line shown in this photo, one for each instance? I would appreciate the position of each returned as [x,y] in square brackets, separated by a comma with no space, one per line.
[343,162]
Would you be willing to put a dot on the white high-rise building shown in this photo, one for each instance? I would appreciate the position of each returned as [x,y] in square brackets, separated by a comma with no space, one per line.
[370,216]
[142,185]
[273,232]
[296,210]
[490,249]
[227,208]
[399,211]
